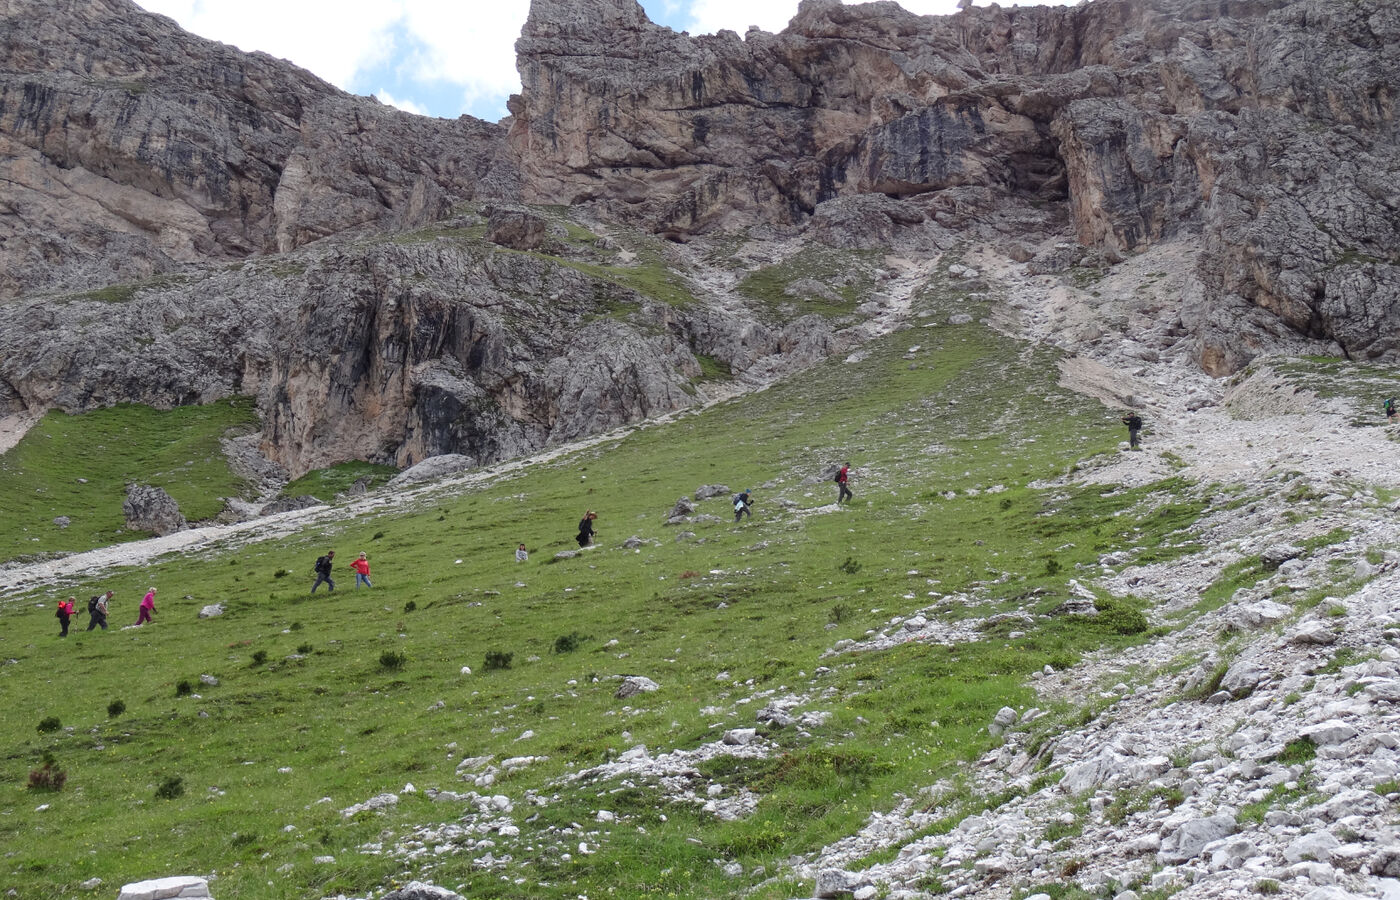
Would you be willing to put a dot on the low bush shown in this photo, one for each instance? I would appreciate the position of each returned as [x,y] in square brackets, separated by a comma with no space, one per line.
[116,708]
[183,688]
[498,659]
[48,777]
[392,660]
[170,788]
[48,724]
[568,643]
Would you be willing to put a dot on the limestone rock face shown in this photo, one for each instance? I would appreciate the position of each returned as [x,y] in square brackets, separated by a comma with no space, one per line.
[148,508]
[390,352]
[1141,120]
[130,148]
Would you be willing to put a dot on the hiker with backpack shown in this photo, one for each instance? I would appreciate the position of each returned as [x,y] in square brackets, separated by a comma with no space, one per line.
[585,529]
[1134,423]
[148,606]
[65,614]
[97,611]
[1390,410]
[842,478]
[323,571]
[361,566]
[742,501]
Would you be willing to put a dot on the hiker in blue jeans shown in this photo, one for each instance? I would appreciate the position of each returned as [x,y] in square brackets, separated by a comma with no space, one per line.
[323,571]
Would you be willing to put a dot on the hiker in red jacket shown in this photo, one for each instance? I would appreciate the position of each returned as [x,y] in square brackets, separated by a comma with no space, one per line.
[65,614]
[361,567]
[841,479]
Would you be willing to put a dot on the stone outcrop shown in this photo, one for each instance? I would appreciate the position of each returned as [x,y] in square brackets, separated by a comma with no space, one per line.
[1266,126]
[393,351]
[173,886]
[148,508]
[130,148]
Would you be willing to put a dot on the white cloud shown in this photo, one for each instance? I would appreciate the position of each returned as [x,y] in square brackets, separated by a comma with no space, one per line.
[335,39]
[389,99]
[467,44]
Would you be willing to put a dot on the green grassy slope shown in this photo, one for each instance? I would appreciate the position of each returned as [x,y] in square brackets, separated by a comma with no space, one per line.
[79,466]
[945,441]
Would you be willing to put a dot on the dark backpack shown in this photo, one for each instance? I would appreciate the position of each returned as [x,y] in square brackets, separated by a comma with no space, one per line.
[322,565]
[837,476]
[92,604]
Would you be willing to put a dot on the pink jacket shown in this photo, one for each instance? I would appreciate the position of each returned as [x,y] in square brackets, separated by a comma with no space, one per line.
[149,601]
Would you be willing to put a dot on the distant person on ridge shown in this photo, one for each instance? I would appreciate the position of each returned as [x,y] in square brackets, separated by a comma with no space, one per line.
[361,566]
[323,571]
[742,501]
[585,529]
[148,606]
[65,614]
[1134,423]
[521,554]
[1390,410]
[97,611]
[842,477]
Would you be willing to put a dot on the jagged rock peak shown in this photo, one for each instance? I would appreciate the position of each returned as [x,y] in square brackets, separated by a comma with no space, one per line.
[551,15]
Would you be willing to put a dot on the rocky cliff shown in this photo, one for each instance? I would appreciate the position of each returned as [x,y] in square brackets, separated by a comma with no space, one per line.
[129,147]
[1265,127]
[182,221]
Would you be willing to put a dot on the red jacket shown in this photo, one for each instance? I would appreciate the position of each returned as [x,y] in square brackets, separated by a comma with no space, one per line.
[361,566]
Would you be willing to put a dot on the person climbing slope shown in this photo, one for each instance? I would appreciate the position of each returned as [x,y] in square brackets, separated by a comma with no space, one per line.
[323,571]
[585,529]
[842,479]
[65,614]
[742,502]
[148,606]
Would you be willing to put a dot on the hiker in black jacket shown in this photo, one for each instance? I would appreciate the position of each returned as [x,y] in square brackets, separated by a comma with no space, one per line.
[585,529]
[323,571]
[1134,423]
[97,611]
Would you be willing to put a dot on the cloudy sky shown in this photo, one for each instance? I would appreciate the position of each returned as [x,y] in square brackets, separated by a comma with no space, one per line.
[438,57]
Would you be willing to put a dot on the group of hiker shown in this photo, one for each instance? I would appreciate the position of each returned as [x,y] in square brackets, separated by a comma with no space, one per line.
[322,568]
[98,607]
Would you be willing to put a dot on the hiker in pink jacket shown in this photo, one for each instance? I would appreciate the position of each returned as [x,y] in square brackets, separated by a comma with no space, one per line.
[148,606]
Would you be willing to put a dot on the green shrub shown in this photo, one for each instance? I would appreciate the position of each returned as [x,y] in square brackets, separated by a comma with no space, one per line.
[49,724]
[850,566]
[259,657]
[839,613]
[170,788]
[498,659]
[281,573]
[568,643]
[1119,617]
[116,708]
[304,649]
[1298,750]
[1052,566]
[392,660]
[183,688]
[410,606]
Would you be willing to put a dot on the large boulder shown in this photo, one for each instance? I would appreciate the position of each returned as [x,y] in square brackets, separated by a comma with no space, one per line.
[418,890]
[432,468]
[148,508]
[517,229]
[181,886]
[290,504]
